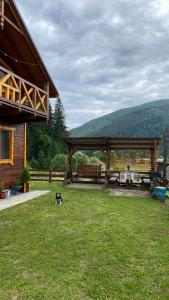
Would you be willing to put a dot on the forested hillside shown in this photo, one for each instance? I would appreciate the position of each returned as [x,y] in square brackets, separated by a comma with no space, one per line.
[146,120]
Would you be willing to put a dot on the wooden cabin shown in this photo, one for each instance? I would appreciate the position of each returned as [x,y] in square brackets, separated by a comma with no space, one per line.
[25,87]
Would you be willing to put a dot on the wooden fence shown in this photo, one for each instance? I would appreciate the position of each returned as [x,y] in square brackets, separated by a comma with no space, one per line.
[52,175]
[46,175]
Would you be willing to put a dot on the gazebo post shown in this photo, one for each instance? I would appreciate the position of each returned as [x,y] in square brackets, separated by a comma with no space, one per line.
[166,133]
[154,157]
[68,173]
[107,165]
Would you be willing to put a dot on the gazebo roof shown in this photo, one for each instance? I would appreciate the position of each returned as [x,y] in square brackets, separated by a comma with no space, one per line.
[101,143]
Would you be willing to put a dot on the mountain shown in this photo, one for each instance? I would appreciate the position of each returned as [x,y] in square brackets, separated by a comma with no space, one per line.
[146,120]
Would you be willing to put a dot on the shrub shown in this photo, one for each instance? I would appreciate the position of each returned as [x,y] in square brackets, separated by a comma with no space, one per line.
[99,155]
[59,162]
[79,159]
[94,161]
[34,164]
[25,175]
[17,183]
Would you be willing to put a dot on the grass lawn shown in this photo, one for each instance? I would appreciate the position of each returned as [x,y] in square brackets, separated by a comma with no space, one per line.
[95,246]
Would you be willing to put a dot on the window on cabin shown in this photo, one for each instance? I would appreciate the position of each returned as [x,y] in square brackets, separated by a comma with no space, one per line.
[6,146]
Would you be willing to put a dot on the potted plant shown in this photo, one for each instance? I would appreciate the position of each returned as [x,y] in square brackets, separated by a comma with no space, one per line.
[24,178]
[2,192]
[16,186]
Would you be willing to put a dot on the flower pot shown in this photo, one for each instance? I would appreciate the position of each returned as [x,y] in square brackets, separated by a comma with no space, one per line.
[25,187]
[7,193]
[2,195]
[16,189]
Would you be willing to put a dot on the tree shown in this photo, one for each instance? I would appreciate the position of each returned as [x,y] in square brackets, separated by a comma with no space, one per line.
[50,121]
[41,160]
[59,162]
[34,164]
[35,131]
[99,155]
[94,161]
[59,127]
[79,159]
[44,140]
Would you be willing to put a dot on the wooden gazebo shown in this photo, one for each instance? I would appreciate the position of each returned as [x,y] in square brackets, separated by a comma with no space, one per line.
[106,144]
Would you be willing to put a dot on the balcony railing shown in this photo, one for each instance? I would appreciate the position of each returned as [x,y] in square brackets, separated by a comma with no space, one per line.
[24,94]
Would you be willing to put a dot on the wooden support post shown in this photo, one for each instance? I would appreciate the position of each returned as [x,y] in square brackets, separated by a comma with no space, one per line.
[154,157]
[2,7]
[69,173]
[46,87]
[107,173]
[20,92]
[166,133]
[108,159]
[50,175]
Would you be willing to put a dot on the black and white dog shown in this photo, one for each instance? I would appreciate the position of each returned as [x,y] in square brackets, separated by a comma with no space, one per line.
[58,199]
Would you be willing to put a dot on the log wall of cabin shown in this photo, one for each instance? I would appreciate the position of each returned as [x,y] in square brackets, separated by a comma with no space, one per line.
[10,173]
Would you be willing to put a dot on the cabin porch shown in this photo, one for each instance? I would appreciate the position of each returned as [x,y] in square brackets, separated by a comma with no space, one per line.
[20,100]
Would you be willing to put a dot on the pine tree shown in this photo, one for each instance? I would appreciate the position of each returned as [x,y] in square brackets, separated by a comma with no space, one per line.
[47,137]
[50,121]
[59,127]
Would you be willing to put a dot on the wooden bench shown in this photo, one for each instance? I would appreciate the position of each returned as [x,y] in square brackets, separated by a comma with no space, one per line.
[90,171]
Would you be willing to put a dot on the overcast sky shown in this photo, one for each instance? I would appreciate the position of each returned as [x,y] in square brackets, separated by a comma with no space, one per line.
[103,55]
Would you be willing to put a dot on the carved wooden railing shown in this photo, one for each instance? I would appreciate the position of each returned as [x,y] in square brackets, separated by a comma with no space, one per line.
[21,92]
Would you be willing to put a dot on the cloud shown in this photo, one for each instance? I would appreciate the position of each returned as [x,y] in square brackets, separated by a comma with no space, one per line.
[103,55]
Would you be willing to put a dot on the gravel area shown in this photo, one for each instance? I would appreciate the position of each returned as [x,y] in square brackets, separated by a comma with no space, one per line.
[113,192]
[129,193]
[87,186]
[18,199]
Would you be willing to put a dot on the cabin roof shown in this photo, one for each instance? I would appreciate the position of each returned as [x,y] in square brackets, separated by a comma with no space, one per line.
[17,42]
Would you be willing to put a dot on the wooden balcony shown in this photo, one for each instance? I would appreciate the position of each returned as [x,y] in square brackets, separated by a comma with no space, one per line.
[20,100]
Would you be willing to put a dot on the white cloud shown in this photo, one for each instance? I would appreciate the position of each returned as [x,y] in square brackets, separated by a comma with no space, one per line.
[103,55]
[161,7]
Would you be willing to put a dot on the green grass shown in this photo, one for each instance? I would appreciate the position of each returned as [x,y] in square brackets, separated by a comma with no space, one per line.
[95,246]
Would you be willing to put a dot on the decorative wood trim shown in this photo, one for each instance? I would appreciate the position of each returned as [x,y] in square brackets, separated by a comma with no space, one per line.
[11,160]
[7,128]
[2,7]
[6,162]
[47,90]
[3,17]
[12,147]
[13,25]
[16,90]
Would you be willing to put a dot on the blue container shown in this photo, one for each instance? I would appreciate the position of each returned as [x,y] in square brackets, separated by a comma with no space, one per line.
[160,192]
